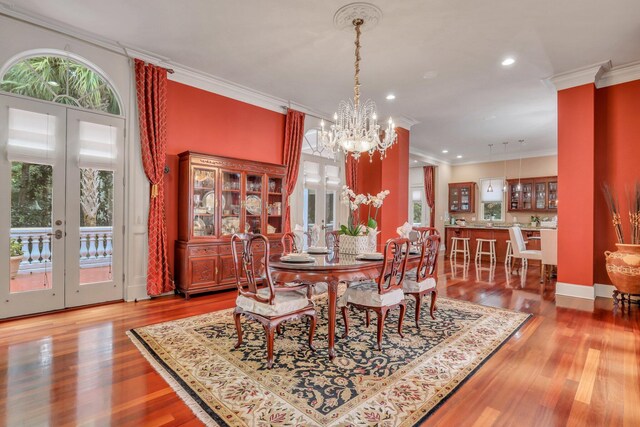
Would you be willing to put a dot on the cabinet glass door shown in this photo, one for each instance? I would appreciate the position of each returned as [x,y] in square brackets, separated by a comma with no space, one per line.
[253,204]
[527,196]
[275,200]
[541,195]
[231,203]
[465,200]
[454,199]
[204,202]
[514,202]
[553,195]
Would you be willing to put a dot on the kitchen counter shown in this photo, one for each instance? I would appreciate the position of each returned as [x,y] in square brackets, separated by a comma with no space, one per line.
[499,227]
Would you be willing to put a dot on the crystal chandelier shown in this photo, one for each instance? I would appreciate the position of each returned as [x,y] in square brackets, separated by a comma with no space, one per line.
[356,129]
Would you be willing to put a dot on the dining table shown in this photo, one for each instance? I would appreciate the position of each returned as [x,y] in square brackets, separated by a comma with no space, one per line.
[332,268]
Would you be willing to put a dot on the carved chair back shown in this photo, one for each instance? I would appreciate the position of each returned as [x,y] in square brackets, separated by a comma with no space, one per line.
[289,244]
[252,266]
[396,252]
[332,240]
[428,265]
[424,232]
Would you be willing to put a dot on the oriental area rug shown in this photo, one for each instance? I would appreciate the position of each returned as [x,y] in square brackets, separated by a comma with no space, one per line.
[398,386]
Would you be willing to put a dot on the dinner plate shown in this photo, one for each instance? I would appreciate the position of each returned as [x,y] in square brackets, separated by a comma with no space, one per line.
[209,201]
[254,204]
[285,258]
[371,256]
[318,250]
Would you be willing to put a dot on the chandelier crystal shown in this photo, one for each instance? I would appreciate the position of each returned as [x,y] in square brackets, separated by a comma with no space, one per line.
[356,129]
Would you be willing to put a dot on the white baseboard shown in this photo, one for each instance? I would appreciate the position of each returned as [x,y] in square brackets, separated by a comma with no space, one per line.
[136,293]
[604,291]
[576,291]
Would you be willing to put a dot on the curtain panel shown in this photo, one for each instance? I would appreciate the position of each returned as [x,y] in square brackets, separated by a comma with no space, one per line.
[293,134]
[430,192]
[151,89]
[351,173]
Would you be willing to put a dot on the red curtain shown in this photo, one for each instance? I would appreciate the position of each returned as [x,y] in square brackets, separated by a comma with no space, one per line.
[293,134]
[430,192]
[351,173]
[151,87]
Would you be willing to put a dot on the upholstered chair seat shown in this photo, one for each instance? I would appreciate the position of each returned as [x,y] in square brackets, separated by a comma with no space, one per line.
[366,293]
[284,303]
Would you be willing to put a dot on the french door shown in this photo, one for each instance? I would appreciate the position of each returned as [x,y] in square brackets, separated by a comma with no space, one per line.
[320,193]
[61,182]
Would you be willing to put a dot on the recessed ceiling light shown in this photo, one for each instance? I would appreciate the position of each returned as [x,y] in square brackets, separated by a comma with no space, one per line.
[508,61]
[445,151]
[430,75]
[459,156]
[391,97]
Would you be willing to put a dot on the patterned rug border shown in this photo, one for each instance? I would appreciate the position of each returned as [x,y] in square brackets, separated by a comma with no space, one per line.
[480,365]
[210,418]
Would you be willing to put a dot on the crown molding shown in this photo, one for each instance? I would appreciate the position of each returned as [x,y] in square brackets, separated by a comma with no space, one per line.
[620,74]
[509,157]
[405,122]
[426,157]
[580,76]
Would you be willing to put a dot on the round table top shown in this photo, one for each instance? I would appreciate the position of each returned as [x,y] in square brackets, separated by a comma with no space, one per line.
[331,261]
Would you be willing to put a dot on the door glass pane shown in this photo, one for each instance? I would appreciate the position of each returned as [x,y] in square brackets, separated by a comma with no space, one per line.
[553,195]
[417,212]
[31,260]
[204,202]
[253,204]
[274,206]
[96,225]
[330,211]
[230,203]
[309,208]
[527,196]
[541,190]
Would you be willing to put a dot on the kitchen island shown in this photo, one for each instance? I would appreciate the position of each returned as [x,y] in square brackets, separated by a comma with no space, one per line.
[498,232]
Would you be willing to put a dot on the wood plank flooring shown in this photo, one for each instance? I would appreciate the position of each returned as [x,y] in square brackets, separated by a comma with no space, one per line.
[567,366]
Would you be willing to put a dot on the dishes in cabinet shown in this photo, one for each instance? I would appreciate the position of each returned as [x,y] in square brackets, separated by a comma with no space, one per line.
[209,201]
[230,225]
[254,205]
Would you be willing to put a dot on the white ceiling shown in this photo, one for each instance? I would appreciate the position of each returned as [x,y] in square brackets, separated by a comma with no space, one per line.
[290,49]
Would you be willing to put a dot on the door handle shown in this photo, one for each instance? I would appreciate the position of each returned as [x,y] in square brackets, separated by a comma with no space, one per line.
[57,234]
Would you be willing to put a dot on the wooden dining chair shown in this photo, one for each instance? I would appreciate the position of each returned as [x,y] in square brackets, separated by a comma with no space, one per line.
[332,240]
[289,244]
[269,305]
[381,295]
[423,280]
[424,232]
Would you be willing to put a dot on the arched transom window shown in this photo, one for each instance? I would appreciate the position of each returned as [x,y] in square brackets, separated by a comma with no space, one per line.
[62,80]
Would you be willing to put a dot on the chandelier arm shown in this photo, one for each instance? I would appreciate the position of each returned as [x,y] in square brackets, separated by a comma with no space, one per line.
[356,88]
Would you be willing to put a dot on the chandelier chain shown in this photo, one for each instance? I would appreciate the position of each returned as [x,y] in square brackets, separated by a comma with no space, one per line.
[356,87]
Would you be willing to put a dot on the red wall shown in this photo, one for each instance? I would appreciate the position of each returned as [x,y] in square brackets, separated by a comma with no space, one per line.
[598,142]
[576,151]
[391,174]
[617,162]
[202,121]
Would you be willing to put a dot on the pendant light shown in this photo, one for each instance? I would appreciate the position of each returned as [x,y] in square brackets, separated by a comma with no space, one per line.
[504,184]
[490,187]
[521,141]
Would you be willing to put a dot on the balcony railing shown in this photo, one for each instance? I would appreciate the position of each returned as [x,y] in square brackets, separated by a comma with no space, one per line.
[95,247]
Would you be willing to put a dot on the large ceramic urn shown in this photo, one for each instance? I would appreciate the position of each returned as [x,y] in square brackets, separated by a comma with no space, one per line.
[623,268]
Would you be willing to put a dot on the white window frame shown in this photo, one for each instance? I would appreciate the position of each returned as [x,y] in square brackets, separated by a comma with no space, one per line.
[497,184]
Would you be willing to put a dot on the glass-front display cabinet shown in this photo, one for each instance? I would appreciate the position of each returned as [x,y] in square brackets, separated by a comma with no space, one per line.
[462,197]
[538,194]
[219,197]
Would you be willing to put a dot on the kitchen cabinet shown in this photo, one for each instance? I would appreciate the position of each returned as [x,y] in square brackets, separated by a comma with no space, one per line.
[500,234]
[533,194]
[462,197]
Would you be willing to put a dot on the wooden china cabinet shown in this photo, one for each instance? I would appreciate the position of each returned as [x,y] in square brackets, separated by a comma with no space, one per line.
[533,194]
[220,196]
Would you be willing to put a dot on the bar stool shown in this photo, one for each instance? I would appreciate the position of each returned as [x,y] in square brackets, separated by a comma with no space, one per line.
[465,248]
[509,255]
[480,250]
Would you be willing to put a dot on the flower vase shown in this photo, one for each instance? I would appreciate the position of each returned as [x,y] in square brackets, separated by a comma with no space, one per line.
[623,268]
[354,245]
[372,239]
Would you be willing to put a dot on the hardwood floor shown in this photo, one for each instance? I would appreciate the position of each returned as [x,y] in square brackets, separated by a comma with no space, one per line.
[566,366]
